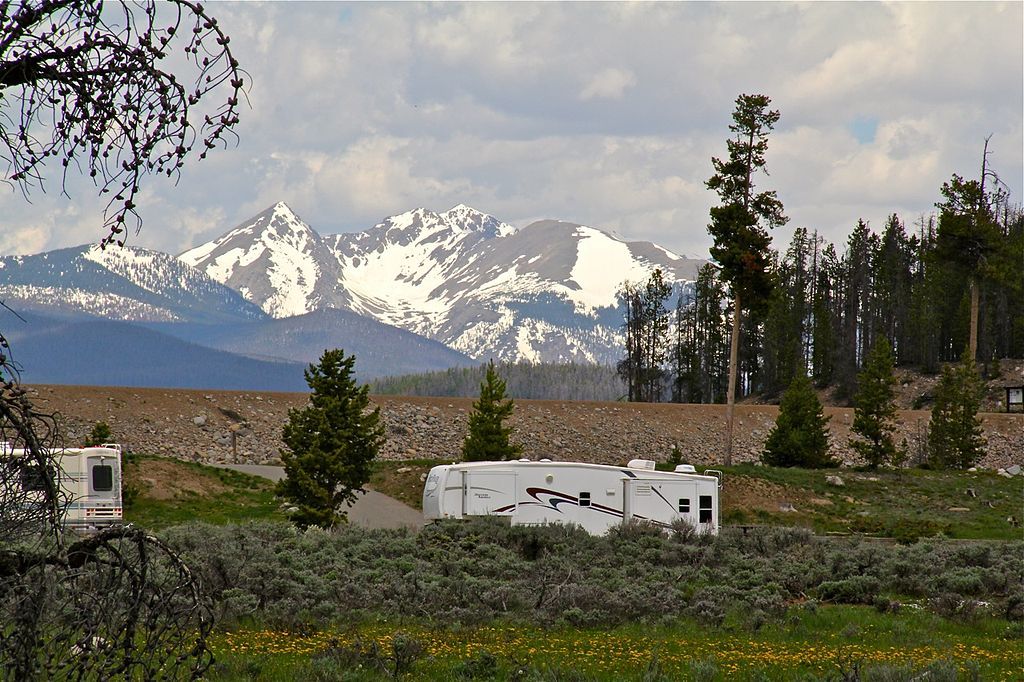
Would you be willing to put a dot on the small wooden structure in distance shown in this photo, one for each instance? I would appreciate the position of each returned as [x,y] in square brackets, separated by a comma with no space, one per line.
[1014,398]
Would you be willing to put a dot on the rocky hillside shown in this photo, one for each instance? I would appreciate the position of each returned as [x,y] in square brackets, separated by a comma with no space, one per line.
[198,425]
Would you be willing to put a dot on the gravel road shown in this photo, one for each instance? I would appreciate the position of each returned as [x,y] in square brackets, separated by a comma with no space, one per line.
[372,510]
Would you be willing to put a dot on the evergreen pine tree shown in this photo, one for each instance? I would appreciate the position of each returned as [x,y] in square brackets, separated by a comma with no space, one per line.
[800,435]
[874,414]
[892,285]
[954,435]
[739,225]
[969,234]
[929,288]
[825,325]
[646,326]
[487,439]
[710,336]
[857,328]
[330,444]
[99,435]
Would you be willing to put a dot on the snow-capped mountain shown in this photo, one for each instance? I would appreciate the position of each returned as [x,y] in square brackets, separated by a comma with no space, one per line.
[274,260]
[129,283]
[543,293]
[169,323]
[281,264]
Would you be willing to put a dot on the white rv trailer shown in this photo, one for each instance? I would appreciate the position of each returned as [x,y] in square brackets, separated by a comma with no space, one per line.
[89,480]
[594,496]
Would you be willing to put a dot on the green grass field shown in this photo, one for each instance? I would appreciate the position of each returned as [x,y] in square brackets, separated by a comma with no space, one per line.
[162,492]
[905,503]
[814,643]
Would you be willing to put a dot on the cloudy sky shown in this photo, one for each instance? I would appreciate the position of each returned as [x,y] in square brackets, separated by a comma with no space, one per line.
[605,114]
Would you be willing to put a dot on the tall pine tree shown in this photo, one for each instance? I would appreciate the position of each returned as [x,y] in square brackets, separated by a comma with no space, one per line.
[874,414]
[892,286]
[488,437]
[646,328]
[857,329]
[330,444]
[825,323]
[968,234]
[739,224]
[710,336]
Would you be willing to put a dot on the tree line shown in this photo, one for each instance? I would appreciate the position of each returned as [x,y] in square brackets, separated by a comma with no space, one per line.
[952,280]
[525,380]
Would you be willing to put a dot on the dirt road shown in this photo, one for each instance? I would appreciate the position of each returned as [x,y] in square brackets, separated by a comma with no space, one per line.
[372,510]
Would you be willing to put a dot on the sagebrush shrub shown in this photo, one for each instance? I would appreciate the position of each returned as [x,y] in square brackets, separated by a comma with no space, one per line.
[482,570]
[857,589]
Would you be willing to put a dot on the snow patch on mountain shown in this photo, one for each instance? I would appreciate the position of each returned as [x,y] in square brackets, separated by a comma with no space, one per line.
[602,264]
[124,283]
[294,278]
[277,248]
[107,305]
[461,277]
[152,271]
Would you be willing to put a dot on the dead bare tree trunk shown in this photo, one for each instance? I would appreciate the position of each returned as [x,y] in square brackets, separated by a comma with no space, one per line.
[730,398]
[974,319]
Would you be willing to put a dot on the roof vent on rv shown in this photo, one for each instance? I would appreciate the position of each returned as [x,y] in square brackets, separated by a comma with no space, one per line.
[685,469]
[524,459]
[641,464]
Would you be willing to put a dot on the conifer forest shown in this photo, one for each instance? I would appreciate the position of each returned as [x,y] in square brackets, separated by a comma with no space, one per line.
[828,303]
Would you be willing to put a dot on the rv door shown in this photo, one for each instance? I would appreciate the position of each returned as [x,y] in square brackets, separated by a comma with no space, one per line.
[488,493]
[103,501]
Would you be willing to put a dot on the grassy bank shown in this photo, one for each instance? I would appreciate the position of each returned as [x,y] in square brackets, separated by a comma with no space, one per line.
[161,492]
[902,504]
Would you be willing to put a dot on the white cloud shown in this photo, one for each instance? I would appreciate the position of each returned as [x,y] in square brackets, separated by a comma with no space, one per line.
[609,83]
[605,114]
[25,239]
[490,36]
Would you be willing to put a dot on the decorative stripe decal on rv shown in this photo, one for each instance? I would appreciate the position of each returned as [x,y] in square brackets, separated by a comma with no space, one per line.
[555,498]
[658,493]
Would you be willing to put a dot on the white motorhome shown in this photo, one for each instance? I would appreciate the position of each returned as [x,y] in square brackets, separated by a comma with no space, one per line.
[594,496]
[89,481]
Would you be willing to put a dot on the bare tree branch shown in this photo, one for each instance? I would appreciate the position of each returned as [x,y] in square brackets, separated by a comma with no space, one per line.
[86,83]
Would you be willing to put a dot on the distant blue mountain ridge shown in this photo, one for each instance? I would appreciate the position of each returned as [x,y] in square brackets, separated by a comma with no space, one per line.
[88,351]
[135,317]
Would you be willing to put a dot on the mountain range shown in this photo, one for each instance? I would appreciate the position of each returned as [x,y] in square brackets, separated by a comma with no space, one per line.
[419,291]
[546,292]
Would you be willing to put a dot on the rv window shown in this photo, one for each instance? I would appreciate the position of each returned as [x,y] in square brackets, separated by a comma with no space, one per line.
[684,505]
[32,477]
[584,499]
[102,478]
[705,509]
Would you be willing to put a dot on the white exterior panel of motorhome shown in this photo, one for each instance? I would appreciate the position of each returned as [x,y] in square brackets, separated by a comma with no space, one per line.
[89,481]
[594,496]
